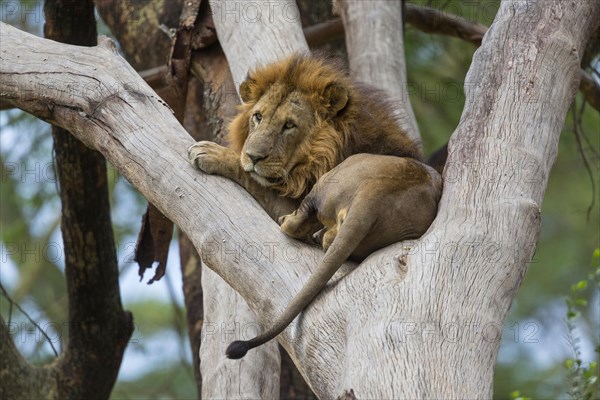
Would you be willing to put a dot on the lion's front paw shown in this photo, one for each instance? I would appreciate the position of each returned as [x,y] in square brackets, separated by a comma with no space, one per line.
[210,157]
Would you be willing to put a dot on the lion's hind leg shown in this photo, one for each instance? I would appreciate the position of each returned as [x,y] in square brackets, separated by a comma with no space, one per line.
[302,223]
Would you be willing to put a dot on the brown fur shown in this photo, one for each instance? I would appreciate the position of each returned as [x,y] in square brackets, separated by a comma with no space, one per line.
[301,118]
[335,117]
[363,125]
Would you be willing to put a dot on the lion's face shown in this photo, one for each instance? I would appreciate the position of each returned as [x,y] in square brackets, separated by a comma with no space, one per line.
[289,130]
[279,124]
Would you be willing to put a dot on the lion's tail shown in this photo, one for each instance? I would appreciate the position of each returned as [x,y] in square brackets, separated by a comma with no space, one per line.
[352,231]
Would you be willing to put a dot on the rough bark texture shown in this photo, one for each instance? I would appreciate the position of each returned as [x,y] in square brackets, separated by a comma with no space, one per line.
[145,46]
[97,321]
[19,378]
[416,320]
[96,318]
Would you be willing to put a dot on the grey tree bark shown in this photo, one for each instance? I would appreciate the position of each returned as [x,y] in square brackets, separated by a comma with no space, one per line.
[375,43]
[250,34]
[415,320]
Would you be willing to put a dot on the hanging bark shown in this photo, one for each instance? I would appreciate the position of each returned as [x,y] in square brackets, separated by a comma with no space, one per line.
[135,25]
[440,301]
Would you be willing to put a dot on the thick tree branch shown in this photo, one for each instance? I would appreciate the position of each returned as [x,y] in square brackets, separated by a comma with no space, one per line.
[374,32]
[19,378]
[457,281]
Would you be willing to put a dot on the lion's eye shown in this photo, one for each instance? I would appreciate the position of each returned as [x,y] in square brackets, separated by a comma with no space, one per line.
[289,125]
[257,117]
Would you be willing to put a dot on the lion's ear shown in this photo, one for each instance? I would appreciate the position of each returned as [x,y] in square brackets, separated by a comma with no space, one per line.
[336,98]
[248,90]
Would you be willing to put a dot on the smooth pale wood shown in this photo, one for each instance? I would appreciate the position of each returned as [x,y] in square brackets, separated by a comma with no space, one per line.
[375,44]
[257,33]
[418,320]
[251,34]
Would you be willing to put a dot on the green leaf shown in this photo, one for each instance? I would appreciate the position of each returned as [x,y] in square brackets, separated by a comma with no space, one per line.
[569,363]
[581,302]
[581,285]
[596,256]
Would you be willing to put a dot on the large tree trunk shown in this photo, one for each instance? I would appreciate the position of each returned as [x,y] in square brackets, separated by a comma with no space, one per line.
[420,319]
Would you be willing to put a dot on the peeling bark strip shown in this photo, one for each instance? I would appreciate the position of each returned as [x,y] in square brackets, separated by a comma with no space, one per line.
[153,243]
[461,277]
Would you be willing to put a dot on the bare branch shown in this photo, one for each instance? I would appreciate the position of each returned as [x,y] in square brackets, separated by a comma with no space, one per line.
[35,324]
[432,20]
[577,131]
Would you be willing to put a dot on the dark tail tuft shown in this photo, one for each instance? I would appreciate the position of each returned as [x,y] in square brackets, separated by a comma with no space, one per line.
[237,349]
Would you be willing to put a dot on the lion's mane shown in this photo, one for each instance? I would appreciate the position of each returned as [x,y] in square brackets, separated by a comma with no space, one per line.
[333,139]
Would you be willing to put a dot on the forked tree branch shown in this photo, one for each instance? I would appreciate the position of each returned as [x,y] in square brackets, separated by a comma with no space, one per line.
[415,320]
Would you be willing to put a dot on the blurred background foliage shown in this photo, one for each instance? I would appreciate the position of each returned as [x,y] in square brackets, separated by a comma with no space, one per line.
[157,363]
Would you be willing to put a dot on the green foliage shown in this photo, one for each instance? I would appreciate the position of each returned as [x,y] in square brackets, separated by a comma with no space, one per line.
[582,378]
[165,382]
[516,395]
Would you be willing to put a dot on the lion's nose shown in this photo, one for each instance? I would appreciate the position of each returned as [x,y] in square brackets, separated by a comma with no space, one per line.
[255,157]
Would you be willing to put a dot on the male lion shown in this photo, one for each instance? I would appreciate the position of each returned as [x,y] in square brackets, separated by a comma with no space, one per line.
[301,117]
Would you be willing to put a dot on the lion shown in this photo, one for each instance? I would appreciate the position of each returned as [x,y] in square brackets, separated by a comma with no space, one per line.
[365,203]
[300,117]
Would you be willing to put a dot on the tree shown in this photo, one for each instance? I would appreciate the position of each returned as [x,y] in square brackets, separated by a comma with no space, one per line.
[84,369]
[420,284]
